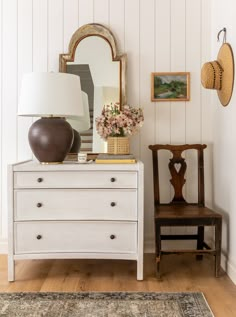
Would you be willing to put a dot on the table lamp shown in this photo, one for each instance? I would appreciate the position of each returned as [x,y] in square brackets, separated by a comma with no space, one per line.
[53,97]
[79,124]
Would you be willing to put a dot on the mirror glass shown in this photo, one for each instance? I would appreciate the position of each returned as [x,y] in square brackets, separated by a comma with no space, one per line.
[93,56]
[100,80]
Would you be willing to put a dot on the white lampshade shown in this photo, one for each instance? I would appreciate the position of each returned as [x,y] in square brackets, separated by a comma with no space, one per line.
[82,123]
[51,94]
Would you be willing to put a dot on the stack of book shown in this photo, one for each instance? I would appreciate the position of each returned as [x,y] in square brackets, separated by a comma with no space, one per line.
[104,158]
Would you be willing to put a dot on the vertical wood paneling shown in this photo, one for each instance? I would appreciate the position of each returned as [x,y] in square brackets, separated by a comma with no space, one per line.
[206,103]
[25,65]
[9,96]
[101,12]
[117,22]
[193,107]
[193,65]
[71,21]
[206,108]
[55,33]
[178,35]
[132,49]
[162,64]
[163,109]
[25,29]
[177,65]
[86,12]
[147,36]
[40,36]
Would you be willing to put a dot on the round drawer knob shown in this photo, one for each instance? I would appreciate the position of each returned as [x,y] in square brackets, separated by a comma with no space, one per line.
[112,236]
[39,180]
[39,236]
[39,205]
[113,179]
[113,204]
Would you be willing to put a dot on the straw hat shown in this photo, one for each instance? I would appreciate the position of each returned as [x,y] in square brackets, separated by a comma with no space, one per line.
[219,74]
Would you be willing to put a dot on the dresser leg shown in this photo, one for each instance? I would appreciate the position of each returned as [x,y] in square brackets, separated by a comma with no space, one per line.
[11,269]
[139,270]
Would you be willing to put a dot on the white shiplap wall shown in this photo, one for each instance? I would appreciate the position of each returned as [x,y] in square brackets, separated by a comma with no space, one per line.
[157,35]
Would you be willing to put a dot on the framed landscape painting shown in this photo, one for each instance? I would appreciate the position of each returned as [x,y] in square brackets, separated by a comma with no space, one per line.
[170,86]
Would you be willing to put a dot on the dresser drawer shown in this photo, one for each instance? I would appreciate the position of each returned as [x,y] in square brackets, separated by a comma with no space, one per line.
[75,204]
[77,179]
[69,237]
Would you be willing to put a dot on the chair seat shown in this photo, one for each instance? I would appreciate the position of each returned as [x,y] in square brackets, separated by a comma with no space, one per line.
[184,211]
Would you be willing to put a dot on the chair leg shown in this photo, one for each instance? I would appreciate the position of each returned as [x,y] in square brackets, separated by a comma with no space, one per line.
[200,241]
[158,249]
[218,233]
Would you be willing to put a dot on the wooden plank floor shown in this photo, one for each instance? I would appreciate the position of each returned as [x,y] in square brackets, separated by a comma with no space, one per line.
[179,273]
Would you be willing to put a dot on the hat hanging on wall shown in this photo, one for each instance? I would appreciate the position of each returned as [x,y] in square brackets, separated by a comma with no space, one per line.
[219,74]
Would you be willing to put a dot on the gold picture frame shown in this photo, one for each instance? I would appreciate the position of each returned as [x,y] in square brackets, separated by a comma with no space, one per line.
[170,86]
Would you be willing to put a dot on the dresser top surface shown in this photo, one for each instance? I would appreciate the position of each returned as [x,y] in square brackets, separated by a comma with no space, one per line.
[32,165]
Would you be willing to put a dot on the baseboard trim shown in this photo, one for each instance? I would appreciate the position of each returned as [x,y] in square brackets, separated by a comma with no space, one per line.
[229,267]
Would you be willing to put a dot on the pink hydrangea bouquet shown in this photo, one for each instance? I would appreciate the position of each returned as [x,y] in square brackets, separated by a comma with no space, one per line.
[114,122]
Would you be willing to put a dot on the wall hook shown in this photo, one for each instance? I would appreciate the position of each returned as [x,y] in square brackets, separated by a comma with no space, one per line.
[224,36]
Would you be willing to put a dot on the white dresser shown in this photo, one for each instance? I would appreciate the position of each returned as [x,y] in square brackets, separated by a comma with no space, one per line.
[75,211]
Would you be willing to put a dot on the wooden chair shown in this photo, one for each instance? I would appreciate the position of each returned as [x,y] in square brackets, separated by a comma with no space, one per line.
[181,213]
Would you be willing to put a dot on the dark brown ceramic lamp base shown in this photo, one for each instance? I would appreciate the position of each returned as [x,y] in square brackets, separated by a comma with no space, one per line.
[51,139]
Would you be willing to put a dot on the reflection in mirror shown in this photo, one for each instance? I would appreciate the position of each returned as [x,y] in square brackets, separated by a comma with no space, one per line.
[99,80]
[93,56]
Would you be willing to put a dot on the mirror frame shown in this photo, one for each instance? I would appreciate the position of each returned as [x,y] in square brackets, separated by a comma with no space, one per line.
[94,29]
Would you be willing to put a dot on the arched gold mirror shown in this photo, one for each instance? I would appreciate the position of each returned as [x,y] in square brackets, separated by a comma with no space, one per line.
[93,55]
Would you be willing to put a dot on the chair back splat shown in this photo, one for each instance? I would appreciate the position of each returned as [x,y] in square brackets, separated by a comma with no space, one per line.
[179,212]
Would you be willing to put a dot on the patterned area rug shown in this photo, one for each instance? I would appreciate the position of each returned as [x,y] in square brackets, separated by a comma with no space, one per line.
[118,304]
